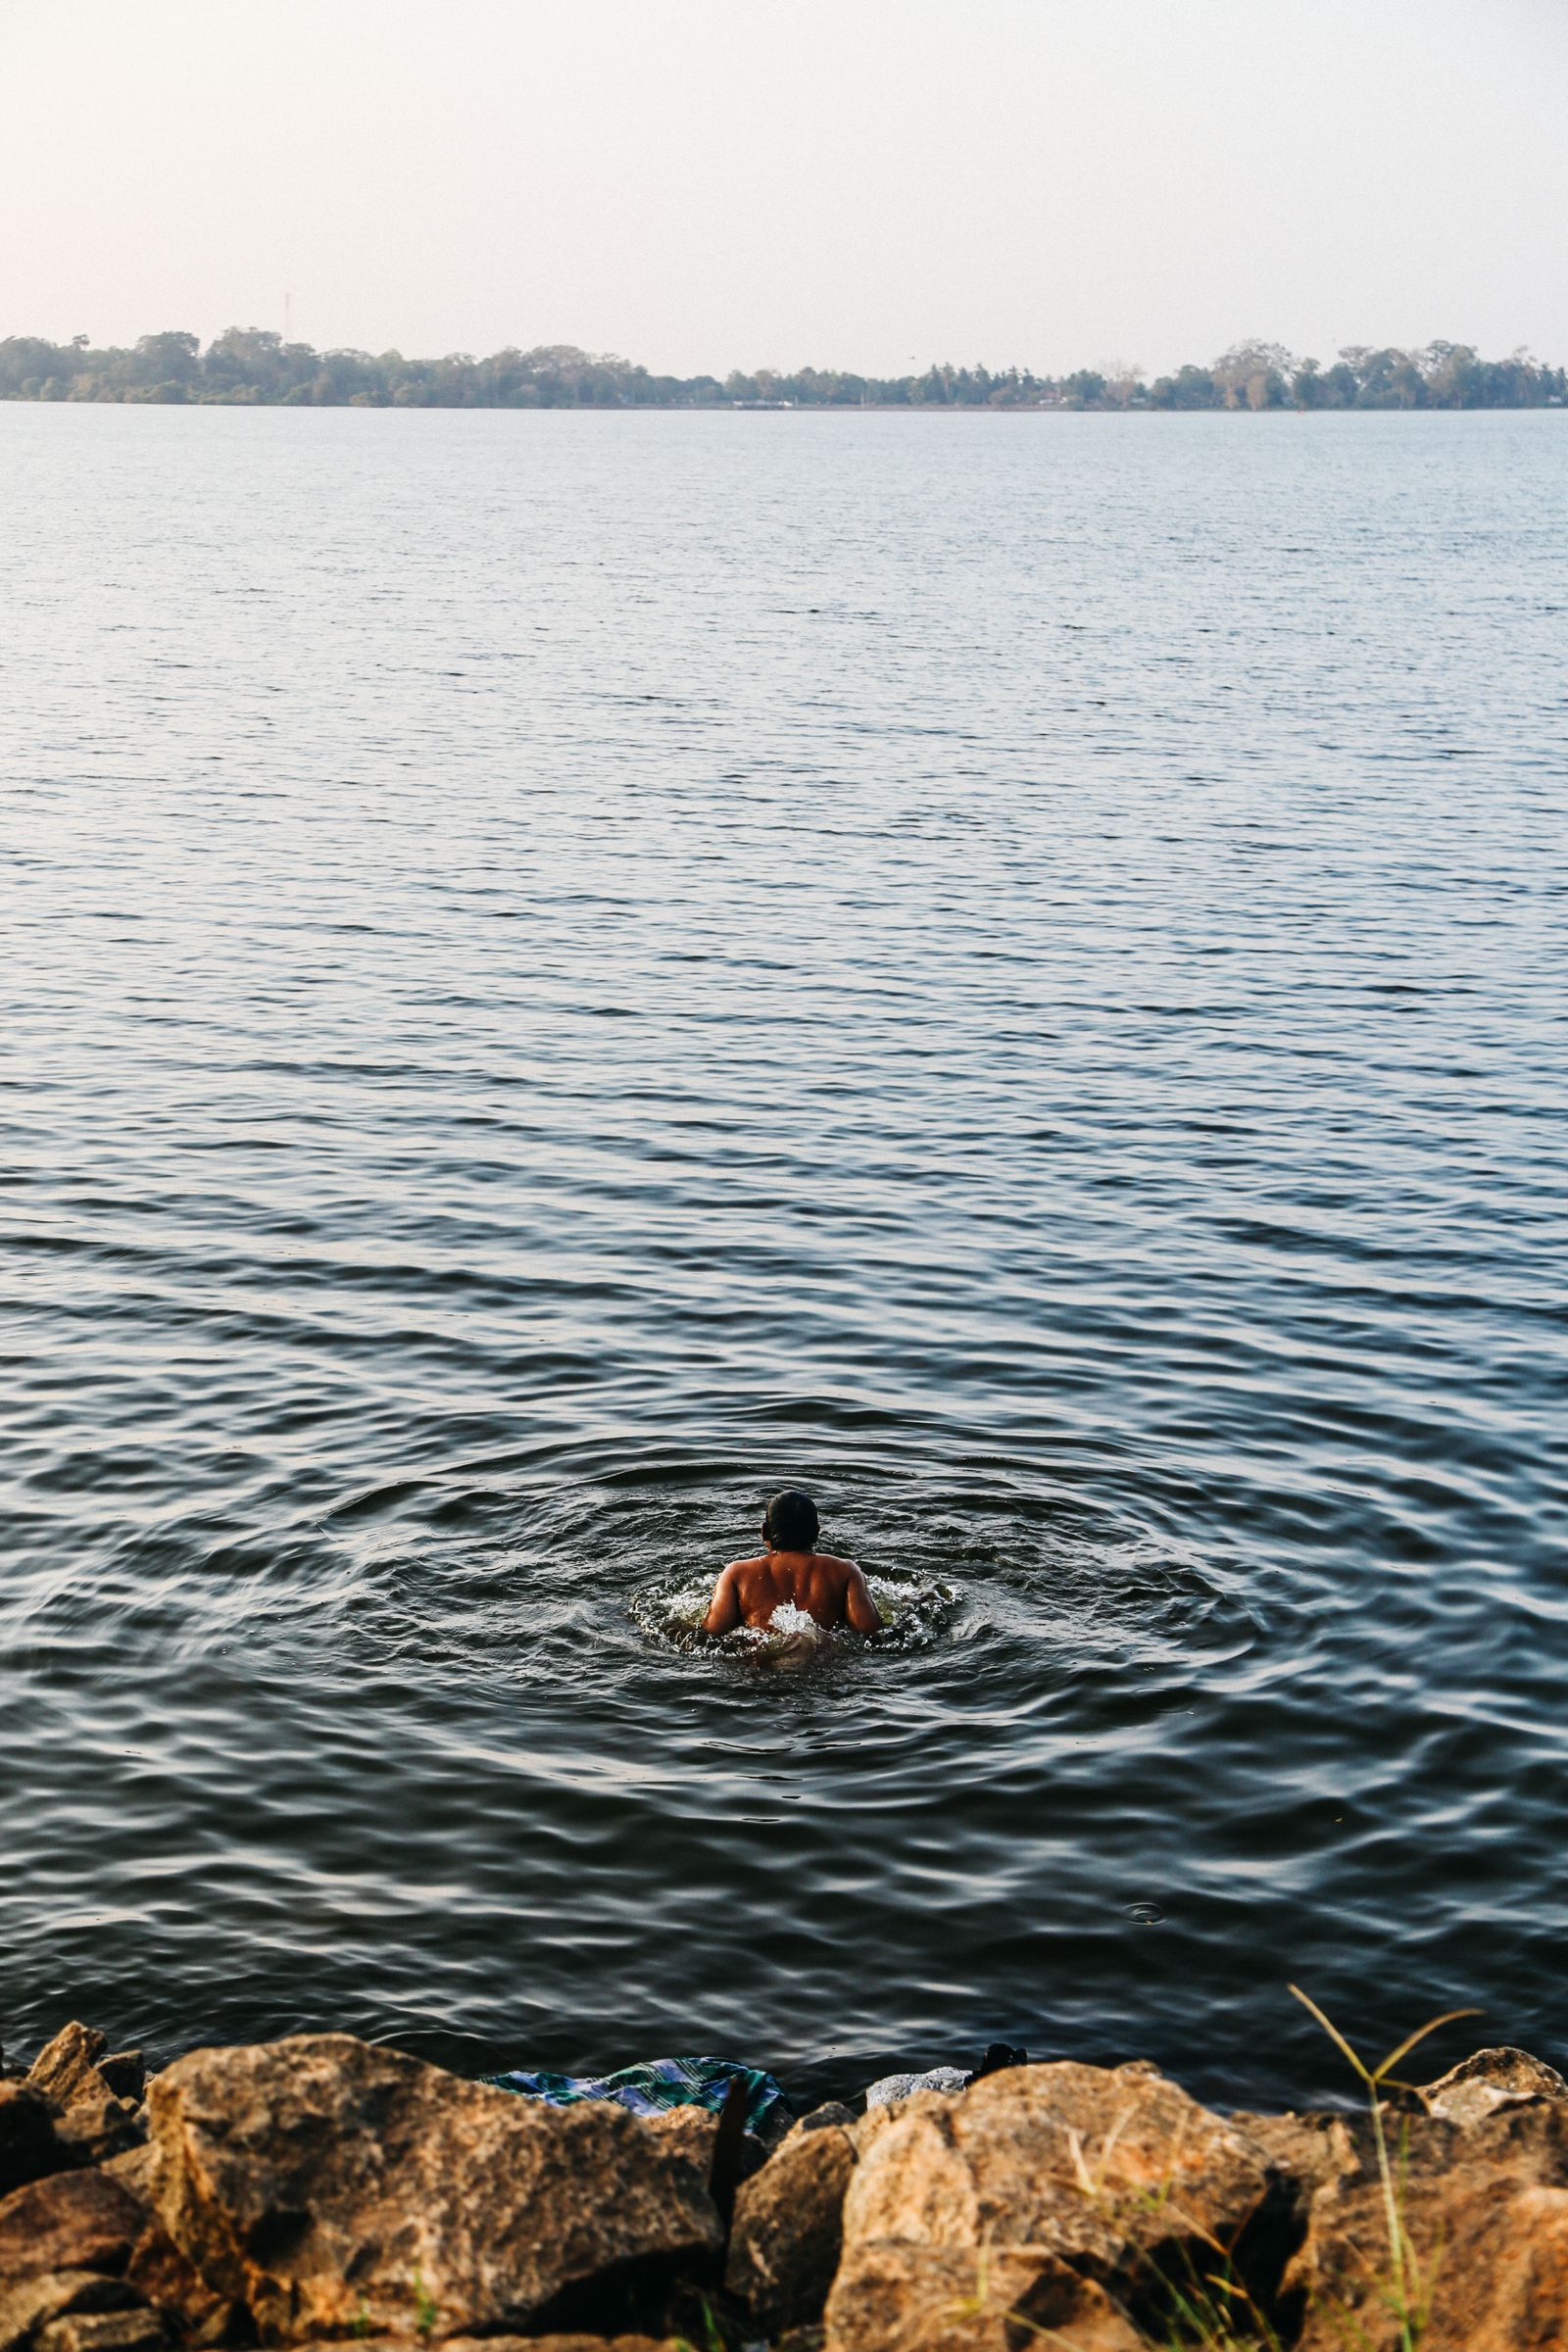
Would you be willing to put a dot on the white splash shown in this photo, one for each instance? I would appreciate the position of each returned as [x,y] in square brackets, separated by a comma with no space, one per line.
[787,1619]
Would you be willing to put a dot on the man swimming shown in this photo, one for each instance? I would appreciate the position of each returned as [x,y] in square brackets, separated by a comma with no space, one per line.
[831,1591]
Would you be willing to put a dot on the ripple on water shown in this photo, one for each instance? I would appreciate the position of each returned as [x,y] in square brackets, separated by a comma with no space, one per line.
[589,996]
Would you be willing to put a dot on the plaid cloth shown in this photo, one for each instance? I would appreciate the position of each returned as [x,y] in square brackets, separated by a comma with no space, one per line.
[650,2090]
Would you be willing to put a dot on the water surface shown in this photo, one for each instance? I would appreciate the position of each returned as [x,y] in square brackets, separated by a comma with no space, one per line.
[564,971]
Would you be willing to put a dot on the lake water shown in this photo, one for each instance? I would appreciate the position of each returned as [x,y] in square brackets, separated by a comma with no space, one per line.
[563,971]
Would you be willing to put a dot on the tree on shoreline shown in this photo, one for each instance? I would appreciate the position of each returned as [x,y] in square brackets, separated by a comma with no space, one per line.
[251,367]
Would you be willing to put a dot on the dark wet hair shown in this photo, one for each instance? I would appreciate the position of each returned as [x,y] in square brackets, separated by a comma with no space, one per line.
[790,1522]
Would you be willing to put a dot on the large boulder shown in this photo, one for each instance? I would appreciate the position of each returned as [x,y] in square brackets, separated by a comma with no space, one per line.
[572,2341]
[333,2186]
[70,2221]
[788,2229]
[692,2133]
[1482,2214]
[902,2298]
[1114,2176]
[1305,2152]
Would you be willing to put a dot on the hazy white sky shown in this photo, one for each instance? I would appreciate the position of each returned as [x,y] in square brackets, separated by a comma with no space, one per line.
[866,184]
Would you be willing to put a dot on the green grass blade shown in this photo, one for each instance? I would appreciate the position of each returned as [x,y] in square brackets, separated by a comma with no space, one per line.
[1420,2034]
[1331,2030]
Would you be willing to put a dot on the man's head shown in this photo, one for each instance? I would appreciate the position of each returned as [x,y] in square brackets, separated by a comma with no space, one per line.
[790,1523]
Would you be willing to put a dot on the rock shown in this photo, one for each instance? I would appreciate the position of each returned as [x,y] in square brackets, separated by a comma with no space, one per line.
[32,2303]
[28,2148]
[831,2111]
[596,2343]
[160,2274]
[690,2134]
[570,2343]
[891,2090]
[788,2229]
[332,2185]
[69,2065]
[1478,2087]
[1484,2208]
[125,2073]
[94,2122]
[135,2169]
[96,2126]
[1308,2151]
[1115,2175]
[70,2221]
[103,2332]
[903,2298]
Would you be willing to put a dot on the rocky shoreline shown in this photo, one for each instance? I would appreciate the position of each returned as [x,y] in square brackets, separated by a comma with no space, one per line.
[323,2189]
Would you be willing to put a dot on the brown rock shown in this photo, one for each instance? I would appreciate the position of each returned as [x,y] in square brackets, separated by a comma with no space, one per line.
[332,2185]
[28,2148]
[1307,2150]
[1482,2209]
[831,2111]
[70,2221]
[135,2169]
[557,2342]
[1115,2175]
[69,2065]
[1077,2159]
[94,2122]
[561,2343]
[125,2073]
[103,2332]
[788,2229]
[1478,2087]
[159,2273]
[904,2298]
[690,2134]
[96,2126]
[32,2303]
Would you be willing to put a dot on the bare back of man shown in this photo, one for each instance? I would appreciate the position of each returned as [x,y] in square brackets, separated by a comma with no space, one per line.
[830,1591]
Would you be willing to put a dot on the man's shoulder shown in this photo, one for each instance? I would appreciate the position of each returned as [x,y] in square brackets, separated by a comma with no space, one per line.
[836,1564]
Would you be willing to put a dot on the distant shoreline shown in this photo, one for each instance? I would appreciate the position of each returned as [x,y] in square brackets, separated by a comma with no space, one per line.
[717,409]
[249,368]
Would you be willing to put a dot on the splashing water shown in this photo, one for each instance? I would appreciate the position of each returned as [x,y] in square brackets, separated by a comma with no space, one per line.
[914,1612]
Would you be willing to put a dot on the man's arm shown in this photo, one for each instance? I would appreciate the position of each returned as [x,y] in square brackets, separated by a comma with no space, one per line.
[861,1609]
[724,1609]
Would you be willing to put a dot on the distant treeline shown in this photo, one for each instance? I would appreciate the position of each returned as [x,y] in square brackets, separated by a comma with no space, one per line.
[248,367]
